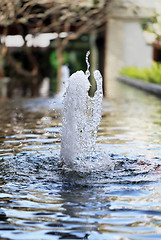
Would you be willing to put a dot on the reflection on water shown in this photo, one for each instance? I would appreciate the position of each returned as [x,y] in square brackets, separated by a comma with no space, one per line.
[40,201]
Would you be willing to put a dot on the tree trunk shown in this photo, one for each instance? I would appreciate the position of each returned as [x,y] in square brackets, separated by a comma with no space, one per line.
[35,87]
[59,54]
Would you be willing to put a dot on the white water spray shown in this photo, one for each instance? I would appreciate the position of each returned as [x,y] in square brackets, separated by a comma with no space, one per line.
[81,116]
[64,82]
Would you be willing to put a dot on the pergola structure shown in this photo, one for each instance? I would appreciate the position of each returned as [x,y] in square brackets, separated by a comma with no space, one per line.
[47,16]
[52,15]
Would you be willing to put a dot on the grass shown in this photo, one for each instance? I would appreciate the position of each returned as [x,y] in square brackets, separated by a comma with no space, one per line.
[152,75]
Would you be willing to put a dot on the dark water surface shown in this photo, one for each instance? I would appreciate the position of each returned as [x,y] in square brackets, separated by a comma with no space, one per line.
[39,201]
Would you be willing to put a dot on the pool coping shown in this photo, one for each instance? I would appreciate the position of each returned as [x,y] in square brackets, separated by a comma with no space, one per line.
[149,87]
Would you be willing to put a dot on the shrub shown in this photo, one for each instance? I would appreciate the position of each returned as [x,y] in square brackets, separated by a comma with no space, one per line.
[152,74]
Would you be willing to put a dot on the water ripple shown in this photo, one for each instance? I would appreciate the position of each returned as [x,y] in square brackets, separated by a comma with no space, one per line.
[41,200]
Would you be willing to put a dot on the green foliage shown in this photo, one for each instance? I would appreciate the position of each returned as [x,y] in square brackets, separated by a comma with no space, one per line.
[153,24]
[134,72]
[54,62]
[152,74]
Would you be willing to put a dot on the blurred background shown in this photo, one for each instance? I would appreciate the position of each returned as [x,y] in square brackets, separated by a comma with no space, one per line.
[38,38]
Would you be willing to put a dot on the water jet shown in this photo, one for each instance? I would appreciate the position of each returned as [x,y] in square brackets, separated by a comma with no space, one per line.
[81,115]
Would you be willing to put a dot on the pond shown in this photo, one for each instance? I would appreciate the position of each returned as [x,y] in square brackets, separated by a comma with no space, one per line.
[39,201]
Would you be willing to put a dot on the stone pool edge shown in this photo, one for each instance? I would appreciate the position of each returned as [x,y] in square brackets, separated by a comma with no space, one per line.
[149,87]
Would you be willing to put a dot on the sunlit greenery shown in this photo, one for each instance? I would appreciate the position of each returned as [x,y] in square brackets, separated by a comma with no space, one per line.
[152,74]
[153,24]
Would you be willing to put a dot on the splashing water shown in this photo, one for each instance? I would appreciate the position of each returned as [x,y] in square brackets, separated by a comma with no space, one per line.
[81,116]
[64,81]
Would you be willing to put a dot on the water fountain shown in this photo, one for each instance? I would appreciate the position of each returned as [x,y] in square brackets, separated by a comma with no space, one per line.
[43,200]
[81,115]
